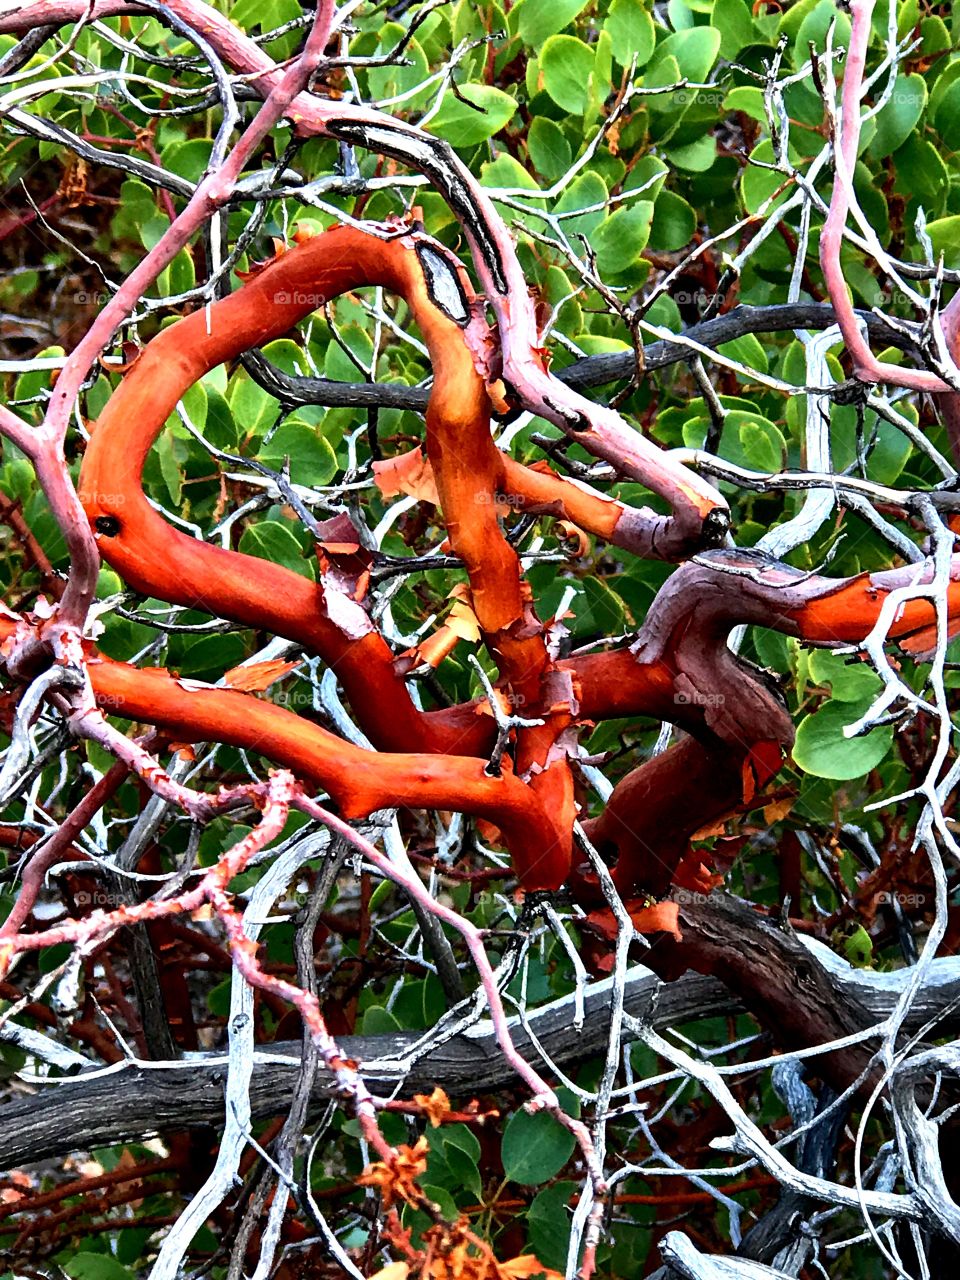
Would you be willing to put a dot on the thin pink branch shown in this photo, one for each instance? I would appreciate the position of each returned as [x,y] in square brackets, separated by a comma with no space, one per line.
[544,1097]
[845,148]
[274,799]
[45,445]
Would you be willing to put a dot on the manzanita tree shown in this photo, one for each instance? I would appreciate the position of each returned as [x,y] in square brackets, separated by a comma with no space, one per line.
[479,490]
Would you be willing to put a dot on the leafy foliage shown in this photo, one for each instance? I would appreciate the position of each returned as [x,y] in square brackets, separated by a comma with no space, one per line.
[630,149]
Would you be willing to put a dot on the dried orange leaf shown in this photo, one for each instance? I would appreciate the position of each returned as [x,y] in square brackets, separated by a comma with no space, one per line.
[397,1179]
[710,829]
[435,1106]
[778,809]
[528,1264]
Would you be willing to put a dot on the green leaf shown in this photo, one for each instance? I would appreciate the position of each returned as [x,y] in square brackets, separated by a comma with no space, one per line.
[587,191]
[620,239]
[664,76]
[453,1164]
[695,51]
[312,461]
[459,1135]
[598,344]
[733,20]
[548,1222]
[680,15]
[760,448]
[600,77]
[674,222]
[386,82]
[814,28]
[758,184]
[443,1200]
[921,171]
[748,350]
[566,64]
[540,19]
[210,656]
[945,105]
[899,117]
[748,99]
[273,13]
[849,681]
[170,467]
[507,172]
[549,149]
[945,237]
[534,1148]
[890,451]
[466,125]
[559,291]
[748,440]
[822,749]
[338,364]
[858,948]
[695,157]
[378,1021]
[193,402]
[632,31]
[934,37]
[96,1266]
[34,381]
[220,429]
[286,355]
[187,159]
[180,276]
[271,540]
[253,410]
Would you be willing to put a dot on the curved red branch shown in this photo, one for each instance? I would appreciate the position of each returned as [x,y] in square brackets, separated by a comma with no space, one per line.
[360,781]
[700,514]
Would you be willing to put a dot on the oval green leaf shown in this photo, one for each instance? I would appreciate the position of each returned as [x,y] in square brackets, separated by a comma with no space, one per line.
[312,461]
[566,64]
[465,125]
[630,27]
[535,1147]
[822,749]
[540,19]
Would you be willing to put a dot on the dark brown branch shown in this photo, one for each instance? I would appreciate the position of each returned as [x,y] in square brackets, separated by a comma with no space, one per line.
[591,371]
[133,1102]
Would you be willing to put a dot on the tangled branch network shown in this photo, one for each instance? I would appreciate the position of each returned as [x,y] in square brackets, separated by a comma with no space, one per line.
[499,777]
